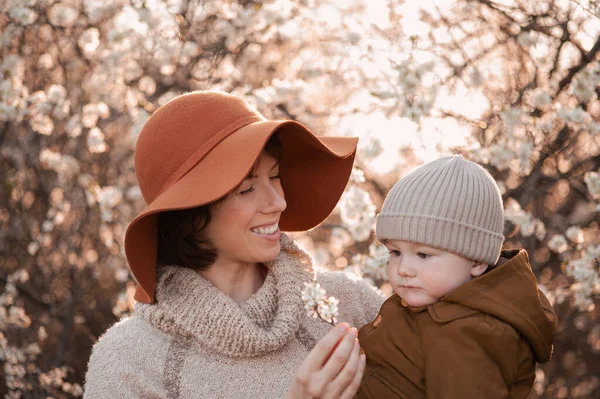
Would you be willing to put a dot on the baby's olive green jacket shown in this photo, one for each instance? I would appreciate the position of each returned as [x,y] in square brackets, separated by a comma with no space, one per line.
[480,341]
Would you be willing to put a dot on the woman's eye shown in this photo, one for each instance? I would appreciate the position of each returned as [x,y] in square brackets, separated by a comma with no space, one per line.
[275,177]
[423,255]
[395,252]
[248,191]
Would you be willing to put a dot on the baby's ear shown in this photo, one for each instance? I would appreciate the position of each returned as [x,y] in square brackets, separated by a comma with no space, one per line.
[478,269]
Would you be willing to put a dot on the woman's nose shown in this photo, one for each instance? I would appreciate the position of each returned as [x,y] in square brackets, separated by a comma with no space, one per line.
[275,200]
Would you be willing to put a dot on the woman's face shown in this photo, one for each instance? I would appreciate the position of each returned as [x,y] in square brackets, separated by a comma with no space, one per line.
[244,227]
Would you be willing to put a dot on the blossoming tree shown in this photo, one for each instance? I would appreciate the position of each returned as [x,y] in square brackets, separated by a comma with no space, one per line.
[513,85]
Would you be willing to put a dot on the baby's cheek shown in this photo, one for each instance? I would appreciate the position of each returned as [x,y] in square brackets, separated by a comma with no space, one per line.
[434,282]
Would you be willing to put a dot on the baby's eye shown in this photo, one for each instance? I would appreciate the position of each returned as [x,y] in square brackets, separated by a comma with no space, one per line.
[395,252]
[423,255]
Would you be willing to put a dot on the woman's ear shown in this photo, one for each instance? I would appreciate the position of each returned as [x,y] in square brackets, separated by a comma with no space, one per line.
[478,269]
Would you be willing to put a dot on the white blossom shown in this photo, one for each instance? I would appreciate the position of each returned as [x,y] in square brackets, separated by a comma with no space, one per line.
[318,304]
[91,113]
[95,141]
[373,265]
[89,40]
[574,115]
[592,181]
[526,39]
[108,197]
[370,147]
[65,165]
[558,243]
[8,112]
[587,282]
[357,176]
[42,124]
[23,15]
[528,224]
[32,248]
[584,85]
[62,15]
[541,98]
[57,94]
[511,117]
[74,126]
[575,234]
[357,212]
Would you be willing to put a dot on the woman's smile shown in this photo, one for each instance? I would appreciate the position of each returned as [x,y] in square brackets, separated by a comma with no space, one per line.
[268,231]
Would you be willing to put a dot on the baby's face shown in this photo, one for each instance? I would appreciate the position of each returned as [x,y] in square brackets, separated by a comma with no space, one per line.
[421,275]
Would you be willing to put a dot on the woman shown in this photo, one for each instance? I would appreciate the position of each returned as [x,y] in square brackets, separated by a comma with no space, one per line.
[219,310]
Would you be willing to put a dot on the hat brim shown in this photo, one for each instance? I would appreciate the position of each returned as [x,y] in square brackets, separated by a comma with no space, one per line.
[314,172]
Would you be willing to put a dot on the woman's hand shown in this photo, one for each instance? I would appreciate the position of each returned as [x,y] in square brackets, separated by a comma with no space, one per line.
[333,369]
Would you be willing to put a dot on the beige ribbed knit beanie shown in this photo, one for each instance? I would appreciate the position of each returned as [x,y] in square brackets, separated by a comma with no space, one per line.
[451,204]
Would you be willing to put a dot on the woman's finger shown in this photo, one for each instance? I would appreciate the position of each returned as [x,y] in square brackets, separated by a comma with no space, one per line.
[340,355]
[325,347]
[352,388]
[346,375]
[310,368]
[320,380]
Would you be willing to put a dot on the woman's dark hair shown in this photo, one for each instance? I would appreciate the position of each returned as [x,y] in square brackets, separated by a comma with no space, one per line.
[180,240]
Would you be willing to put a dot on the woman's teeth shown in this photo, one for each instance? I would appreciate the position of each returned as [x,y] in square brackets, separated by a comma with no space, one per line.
[266,230]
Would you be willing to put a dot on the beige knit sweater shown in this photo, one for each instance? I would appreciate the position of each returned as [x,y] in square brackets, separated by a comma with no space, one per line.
[195,342]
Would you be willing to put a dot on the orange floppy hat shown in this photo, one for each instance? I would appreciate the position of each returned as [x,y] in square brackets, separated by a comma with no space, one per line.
[199,146]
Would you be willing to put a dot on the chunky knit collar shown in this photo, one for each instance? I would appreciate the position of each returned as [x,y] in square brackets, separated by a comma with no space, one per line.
[190,307]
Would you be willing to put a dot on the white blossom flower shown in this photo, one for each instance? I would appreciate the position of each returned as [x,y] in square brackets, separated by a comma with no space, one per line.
[106,235]
[89,41]
[476,78]
[318,304]
[65,165]
[95,141]
[47,226]
[62,15]
[357,212]
[592,181]
[74,126]
[42,334]
[575,234]
[558,243]
[147,85]
[42,124]
[373,265]
[91,113]
[511,117]
[575,115]
[32,248]
[584,85]
[133,193]
[526,39]
[587,282]
[357,176]
[22,15]
[541,98]
[57,94]
[370,147]
[8,112]
[528,225]
[10,64]
[592,253]
[108,197]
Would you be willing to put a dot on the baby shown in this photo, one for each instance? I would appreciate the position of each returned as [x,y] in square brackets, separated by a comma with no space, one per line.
[465,320]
